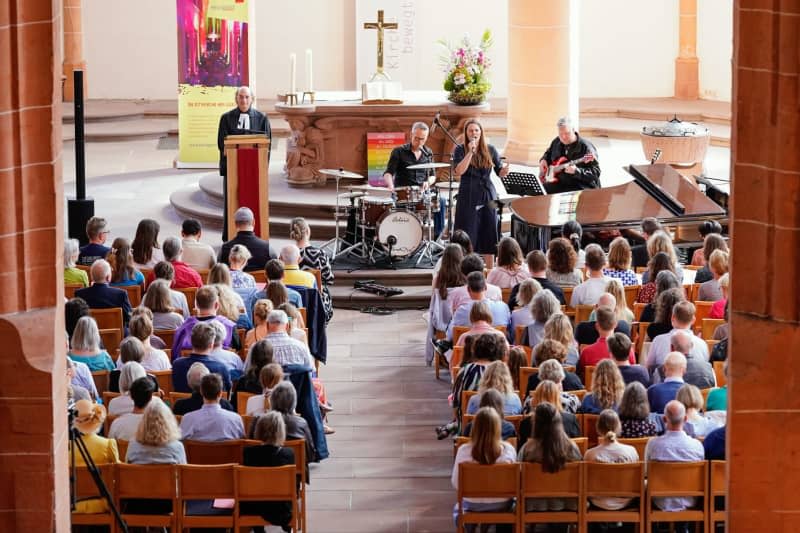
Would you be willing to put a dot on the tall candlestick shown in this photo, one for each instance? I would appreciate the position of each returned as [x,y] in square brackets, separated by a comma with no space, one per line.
[309,72]
[293,84]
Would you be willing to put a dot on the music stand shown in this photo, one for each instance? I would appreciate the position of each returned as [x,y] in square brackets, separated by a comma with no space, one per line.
[523,183]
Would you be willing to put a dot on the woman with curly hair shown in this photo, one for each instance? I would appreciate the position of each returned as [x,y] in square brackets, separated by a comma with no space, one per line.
[561,261]
[510,268]
[313,257]
[559,328]
[497,377]
[634,413]
[607,388]
[658,263]
[158,438]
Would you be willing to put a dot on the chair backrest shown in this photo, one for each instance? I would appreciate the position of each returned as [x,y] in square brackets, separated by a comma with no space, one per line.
[457,357]
[111,337]
[465,396]
[710,344]
[568,297]
[589,428]
[579,393]
[258,275]
[299,448]
[85,488]
[639,443]
[110,318]
[582,443]
[588,376]
[204,272]
[166,335]
[638,309]
[100,378]
[108,396]
[640,339]
[677,479]
[190,293]
[241,402]
[175,396]
[213,453]
[122,449]
[566,483]
[206,482]
[457,332]
[623,480]
[525,372]
[247,422]
[317,275]
[505,292]
[134,294]
[164,378]
[631,292]
[702,310]
[147,481]
[692,291]
[519,333]
[709,326]
[582,312]
[640,270]
[488,481]
[277,483]
[719,372]
[70,288]
[516,420]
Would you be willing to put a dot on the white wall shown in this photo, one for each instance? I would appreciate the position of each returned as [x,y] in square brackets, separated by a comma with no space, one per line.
[627,48]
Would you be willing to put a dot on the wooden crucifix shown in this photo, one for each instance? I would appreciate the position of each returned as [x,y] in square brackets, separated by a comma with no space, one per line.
[380,26]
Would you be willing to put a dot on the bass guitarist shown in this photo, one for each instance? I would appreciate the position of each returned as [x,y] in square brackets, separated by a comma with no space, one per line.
[578,157]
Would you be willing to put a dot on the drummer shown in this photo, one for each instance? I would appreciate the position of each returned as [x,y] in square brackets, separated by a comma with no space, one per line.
[415,152]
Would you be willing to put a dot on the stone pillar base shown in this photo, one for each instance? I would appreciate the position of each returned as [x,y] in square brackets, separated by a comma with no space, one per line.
[69,89]
[524,153]
[687,78]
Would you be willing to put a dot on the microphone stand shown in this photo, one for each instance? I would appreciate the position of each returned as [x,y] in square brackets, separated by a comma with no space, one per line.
[452,171]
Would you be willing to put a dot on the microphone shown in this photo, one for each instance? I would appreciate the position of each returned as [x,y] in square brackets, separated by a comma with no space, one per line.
[435,122]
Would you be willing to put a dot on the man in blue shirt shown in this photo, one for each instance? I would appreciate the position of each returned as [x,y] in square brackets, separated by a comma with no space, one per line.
[211,422]
[97,231]
[674,369]
[714,445]
[203,335]
[274,272]
[476,288]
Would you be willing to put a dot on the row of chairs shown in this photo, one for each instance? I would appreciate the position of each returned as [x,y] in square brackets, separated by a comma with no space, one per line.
[241,397]
[581,481]
[181,485]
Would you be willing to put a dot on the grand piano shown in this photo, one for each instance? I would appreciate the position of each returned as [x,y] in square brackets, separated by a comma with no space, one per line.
[657,190]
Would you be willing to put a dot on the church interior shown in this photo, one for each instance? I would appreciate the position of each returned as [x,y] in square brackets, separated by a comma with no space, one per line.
[383,363]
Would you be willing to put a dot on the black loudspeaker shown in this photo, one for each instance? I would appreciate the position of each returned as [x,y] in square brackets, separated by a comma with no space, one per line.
[79,209]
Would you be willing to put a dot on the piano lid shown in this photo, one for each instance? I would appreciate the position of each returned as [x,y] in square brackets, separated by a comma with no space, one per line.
[619,204]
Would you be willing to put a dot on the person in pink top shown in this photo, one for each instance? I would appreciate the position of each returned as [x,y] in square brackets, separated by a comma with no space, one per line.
[511,268]
[480,319]
[460,296]
[718,308]
[605,323]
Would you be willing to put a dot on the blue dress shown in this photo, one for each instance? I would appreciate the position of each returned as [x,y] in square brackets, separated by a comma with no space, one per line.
[474,214]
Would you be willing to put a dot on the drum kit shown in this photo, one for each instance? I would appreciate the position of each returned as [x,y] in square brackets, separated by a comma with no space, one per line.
[384,227]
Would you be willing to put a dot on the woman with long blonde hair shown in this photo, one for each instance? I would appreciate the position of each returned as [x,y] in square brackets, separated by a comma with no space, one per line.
[621,311]
[261,310]
[607,388]
[559,328]
[474,161]
[158,438]
[497,377]
[661,242]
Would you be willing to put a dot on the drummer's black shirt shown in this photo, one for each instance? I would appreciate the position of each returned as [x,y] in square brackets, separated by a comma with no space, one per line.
[401,158]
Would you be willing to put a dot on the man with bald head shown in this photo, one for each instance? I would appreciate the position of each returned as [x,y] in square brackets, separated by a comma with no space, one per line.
[244,119]
[699,372]
[674,446]
[292,275]
[102,296]
[683,315]
[660,394]
[586,332]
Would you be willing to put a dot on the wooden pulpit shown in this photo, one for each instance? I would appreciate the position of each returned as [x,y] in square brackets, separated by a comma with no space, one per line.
[248,180]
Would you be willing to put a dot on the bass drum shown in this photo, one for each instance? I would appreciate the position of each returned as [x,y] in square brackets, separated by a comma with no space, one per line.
[403,230]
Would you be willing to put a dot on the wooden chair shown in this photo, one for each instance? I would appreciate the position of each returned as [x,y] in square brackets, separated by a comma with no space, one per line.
[108,396]
[100,378]
[175,396]
[582,443]
[457,356]
[639,443]
[205,482]
[640,270]
[134,294]
[111,338]
[259,275]
[704,393]
[457,332]
[166,335]
[213,453]
[506,293]
[519,333]
[248,422]
[164,378]
[107,423]
[719,372]
[122,449]
[439,360]
[203,273]
[631,292]
[318,276]
[640,339]
[110,318]
[702,310]
[516,420]
[579,393]
[638,309]
[588,376]
[299,448]
[582,312]
[525,373]
[190,293]
[671,479]
[709,325]
[70,288]
[717,489]
[692,291]
[589,428]
[85,268]
[486,481]
[613,480]
[264,484]
[566,483]
[86,488]
[139,482]
[146,273]
[241,402]
[465,397]
[710,344]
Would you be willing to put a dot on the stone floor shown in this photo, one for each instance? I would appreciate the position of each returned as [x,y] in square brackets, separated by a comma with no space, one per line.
[387,472]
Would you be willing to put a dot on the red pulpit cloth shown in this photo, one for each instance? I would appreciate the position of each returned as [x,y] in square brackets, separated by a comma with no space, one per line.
[247,167]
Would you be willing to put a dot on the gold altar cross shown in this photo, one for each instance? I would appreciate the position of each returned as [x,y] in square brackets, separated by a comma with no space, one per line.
[380,26]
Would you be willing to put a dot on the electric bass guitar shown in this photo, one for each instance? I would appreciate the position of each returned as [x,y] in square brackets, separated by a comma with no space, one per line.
[551,176]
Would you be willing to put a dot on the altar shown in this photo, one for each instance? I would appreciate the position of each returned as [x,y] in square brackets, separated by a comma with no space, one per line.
[332,131]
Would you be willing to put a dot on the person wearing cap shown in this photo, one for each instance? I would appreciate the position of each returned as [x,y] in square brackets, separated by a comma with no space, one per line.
[89,418]
[285,349]
[196,254]
[245,235]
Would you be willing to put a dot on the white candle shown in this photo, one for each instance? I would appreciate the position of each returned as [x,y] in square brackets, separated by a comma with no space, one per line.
[309,71]
[293,84]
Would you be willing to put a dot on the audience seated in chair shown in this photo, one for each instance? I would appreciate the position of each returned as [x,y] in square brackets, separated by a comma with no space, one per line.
[231,303]
[562,268]
[510,270]
[663,307]
[480,321]
[548,392]
[85,346]
[605,324]
[543,306]
[661,242]
[698,424]
[194,377]
[122,404]
[261,310]
[89,418]
[146,251]
[207,305]
[158,299]
[494,399]
[551,350]
[123,271]
[270,376]
[460,295]
[607,389]
[292,275]
[537,266]
[202,339]
[523,317]
[718,398]
[124,427]
[658,263]
[245,235]
[476,288]
[259,355]
[283,400]
[497,377]
[619,345]
[619,262]
[634,413]
[699,372]
[682,320]
[665,280]
[639,255]
[590,290]
[211,422]
[718,308]
[185,276]
[586,332]
[102,296]
[196,254]
[710,290]
[711,242]
[608,450]
[72,274]
[674,368]
[228,358]
[166,271]
[274,272]
[707,227]
[286,350]
[141,328]
[97,231]
[157,439]
[76,391]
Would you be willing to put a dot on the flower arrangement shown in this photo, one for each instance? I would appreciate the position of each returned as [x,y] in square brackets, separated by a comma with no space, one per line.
[466,66]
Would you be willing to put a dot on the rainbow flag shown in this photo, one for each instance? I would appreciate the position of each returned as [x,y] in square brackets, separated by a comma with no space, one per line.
[379,148]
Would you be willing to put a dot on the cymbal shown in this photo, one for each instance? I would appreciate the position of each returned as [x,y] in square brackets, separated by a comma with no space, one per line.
[341,173]
[353,194]
[368,188]
[427,166]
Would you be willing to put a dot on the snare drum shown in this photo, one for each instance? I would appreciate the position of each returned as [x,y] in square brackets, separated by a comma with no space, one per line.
[408,195]
[373,208]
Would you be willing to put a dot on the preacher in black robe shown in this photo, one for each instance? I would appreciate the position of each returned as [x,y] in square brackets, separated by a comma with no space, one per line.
[571,146]
[241,120]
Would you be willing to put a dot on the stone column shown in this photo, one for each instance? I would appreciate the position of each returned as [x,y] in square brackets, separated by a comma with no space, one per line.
[34,480]
[687,66]
[542,71]
[73,47]
[764,408]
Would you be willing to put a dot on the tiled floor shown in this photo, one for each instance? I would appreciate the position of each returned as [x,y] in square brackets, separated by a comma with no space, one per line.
[387,472]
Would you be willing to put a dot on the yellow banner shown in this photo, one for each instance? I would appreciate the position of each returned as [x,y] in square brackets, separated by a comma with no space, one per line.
[228,9]
[199,110]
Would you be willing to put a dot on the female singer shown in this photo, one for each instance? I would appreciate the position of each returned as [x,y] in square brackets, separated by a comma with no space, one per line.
[476,213]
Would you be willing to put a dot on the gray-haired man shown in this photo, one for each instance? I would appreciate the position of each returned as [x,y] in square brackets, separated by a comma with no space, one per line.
[569,146]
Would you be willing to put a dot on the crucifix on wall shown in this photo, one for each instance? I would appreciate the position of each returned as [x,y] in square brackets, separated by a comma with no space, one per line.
[380,25]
